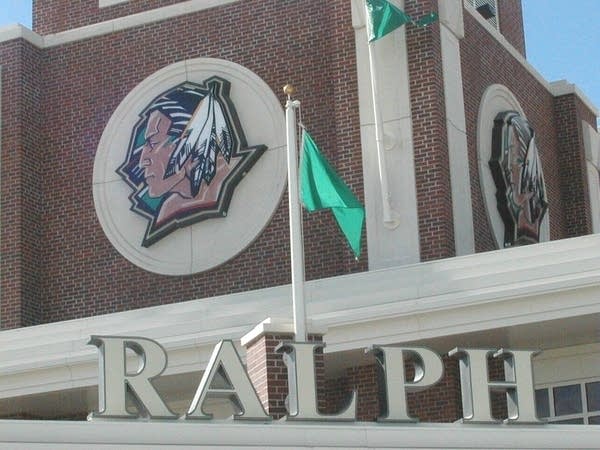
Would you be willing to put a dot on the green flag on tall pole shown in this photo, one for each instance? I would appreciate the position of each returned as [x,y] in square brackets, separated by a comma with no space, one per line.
[383,18]
[321,187]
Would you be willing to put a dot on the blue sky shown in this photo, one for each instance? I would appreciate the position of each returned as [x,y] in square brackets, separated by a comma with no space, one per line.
[563,38]
[563,41]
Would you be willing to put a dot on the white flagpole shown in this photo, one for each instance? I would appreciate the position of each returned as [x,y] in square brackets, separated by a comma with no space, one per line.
[296,243]
[388,218]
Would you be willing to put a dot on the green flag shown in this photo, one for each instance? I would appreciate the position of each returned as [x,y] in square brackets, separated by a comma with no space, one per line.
[321,187]
[383,18]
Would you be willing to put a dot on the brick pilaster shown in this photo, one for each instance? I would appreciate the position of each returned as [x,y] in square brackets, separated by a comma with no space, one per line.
[568,113]
[430,136]
[22,163]
[268,372]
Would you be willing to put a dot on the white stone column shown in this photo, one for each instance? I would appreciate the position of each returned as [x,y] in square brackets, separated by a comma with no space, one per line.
[388,247]
[452,30]
[591,143]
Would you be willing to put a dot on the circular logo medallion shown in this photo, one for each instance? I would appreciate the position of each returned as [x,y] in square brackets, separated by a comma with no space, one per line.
[512,186]
[190,167]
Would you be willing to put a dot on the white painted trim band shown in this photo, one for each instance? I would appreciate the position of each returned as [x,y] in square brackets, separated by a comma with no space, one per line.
[17,435]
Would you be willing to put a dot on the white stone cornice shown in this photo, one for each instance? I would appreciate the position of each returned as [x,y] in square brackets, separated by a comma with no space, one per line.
[32,435]
[551,281]
[563,87]
[18,31]
[109,26]
[273,325]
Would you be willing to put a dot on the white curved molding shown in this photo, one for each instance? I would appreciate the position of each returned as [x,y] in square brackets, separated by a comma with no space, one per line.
[496,99]
[212,242]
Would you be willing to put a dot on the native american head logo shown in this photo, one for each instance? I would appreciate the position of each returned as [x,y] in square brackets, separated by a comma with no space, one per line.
[517,172]
[186,154]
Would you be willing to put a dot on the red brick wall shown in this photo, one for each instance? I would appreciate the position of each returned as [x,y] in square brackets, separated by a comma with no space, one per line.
[362,379]
[439,403]
[22,164]
[484,62]
[432,172]
[65,254]
[568,114]
[81,274]
[268,372]
[442,402]
[53,16]
[510,16]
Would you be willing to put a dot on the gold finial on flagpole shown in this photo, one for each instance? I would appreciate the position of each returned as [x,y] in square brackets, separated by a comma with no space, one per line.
[289,90]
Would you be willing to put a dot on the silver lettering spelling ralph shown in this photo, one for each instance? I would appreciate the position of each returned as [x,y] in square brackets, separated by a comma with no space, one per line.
[225,377]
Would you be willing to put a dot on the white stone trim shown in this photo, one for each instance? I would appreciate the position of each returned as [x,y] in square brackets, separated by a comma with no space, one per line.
[451,29]
[105,3]
[133,20]
[279,325]
[555,91]
[558,280]
[32,435]
[451,16]
[190,250]
[109,26]
[567,364]
[591,143]
[387,247]
[497,98]
[18,31]
[563,87]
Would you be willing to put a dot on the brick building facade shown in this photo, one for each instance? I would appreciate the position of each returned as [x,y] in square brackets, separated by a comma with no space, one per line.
[439,277]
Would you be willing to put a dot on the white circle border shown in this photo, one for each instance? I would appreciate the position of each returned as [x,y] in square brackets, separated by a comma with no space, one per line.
[496,99]
[210,243]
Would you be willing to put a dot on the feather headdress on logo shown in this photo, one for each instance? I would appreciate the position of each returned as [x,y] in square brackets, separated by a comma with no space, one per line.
[207,134]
